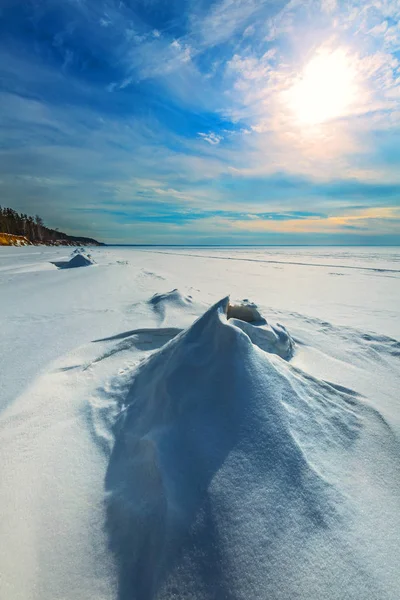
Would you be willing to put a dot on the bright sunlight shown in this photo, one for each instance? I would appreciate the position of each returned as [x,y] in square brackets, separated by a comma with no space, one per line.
[325,90]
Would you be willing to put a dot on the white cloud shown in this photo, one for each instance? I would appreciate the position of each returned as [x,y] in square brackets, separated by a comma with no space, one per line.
[257,86]
[172,193]
[329,6]
[224,19]
[211,138]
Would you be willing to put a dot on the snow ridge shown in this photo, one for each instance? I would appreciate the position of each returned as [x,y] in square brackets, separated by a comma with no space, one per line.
[208,459]
[78,258]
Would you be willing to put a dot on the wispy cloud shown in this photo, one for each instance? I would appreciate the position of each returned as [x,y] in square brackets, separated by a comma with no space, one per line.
[211,138]
[373,221]
[201,117]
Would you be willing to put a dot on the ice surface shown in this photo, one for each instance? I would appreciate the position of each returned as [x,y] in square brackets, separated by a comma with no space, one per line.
[150,455]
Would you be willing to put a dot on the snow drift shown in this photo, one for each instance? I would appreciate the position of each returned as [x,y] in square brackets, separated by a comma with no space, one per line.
[233,470]
[170,307]
[221,483]
[78,259]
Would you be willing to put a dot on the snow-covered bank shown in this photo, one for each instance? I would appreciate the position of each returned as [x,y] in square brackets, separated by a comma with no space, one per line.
[8,239]
[149,455]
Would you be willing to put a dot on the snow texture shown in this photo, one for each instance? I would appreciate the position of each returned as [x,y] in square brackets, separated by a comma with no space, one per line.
[162,444]
[210,469]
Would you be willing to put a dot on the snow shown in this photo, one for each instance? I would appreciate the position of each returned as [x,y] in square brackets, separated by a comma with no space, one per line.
[160,439]
[78,259]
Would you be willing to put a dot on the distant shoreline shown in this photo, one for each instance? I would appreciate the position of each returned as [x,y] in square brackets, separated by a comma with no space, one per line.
[12,240]
[252,245]
[19,229]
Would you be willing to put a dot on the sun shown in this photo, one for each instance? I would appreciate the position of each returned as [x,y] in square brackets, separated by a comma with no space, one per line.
[325,90]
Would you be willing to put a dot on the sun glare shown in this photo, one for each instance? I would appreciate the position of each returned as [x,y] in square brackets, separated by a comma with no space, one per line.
[325,90]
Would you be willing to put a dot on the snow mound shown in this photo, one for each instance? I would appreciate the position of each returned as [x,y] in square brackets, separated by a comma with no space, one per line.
[271,338]
[77,260]
[221,480]
[170,304]
[174,297]
[80,260]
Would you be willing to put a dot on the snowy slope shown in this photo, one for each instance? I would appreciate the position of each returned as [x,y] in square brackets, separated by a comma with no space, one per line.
[157,444]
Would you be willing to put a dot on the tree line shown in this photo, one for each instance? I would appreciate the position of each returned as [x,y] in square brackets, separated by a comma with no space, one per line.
[34,229]
[21,224]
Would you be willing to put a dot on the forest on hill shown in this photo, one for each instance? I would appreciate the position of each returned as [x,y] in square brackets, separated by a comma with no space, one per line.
[36,232]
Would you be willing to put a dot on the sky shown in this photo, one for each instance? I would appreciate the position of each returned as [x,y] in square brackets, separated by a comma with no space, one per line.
[203,122]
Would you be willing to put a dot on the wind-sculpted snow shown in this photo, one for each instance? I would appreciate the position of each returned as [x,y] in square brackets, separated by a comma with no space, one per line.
[170,302]
[221,474]
[78,259]
[271,338]
[243,460]
[174,297]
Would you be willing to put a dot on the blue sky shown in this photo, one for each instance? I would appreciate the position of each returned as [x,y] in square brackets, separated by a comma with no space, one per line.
[231,121]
